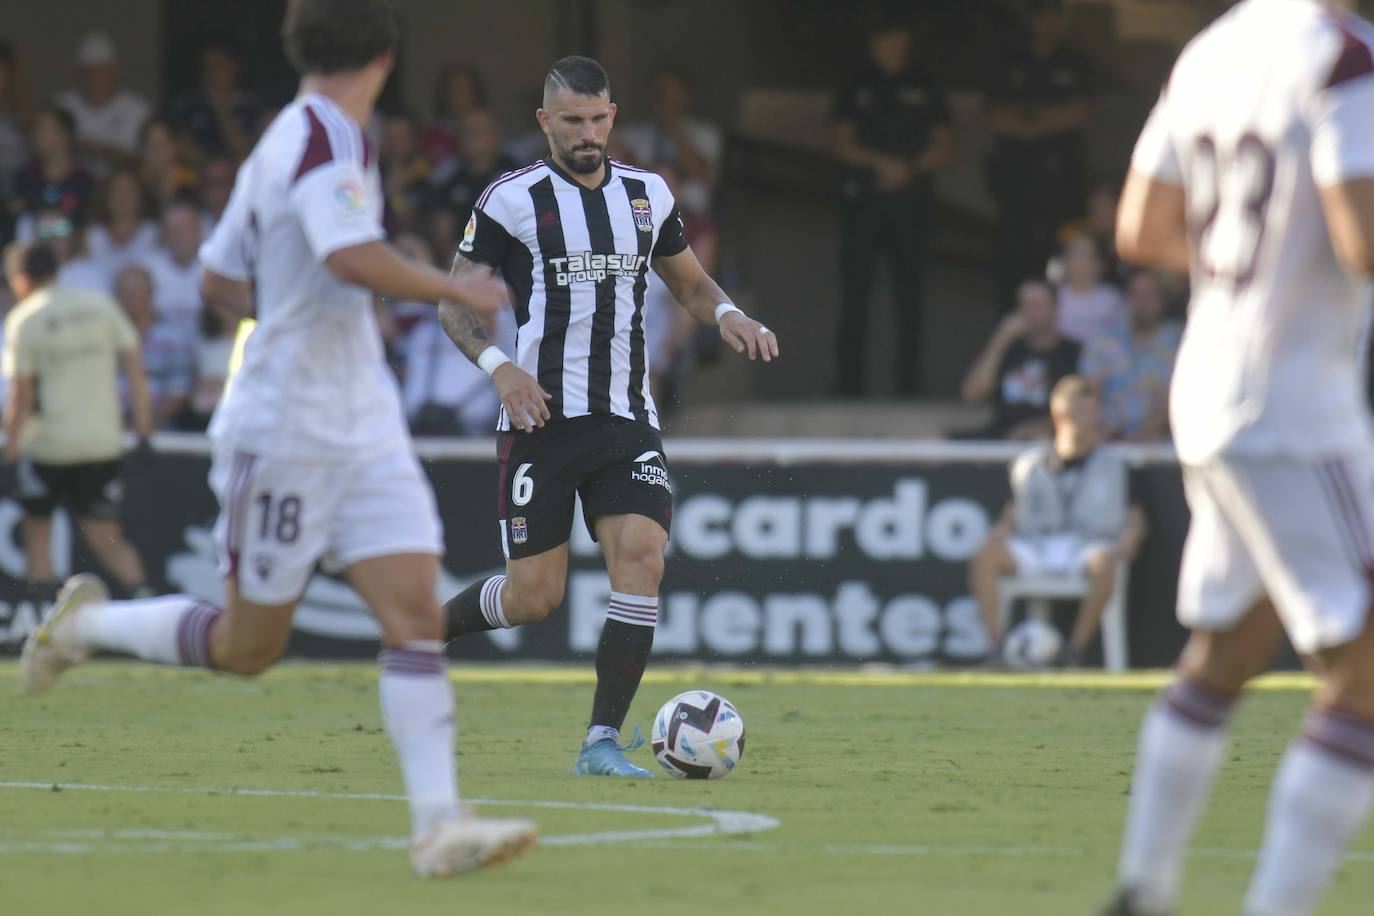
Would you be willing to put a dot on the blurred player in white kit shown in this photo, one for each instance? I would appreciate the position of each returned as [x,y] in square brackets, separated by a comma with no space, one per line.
[311,452]
[1256,173]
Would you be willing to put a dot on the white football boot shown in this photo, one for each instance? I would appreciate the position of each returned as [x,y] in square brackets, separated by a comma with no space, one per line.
[465,842]
[53,647]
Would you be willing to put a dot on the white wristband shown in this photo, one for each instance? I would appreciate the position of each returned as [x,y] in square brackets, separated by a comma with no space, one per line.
[726,308]
[491,359]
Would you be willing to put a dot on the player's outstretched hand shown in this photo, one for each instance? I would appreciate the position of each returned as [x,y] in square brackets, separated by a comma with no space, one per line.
[481,292]
[746,335]
[522,396]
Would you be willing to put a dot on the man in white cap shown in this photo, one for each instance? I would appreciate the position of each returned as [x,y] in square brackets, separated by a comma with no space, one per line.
[108,116]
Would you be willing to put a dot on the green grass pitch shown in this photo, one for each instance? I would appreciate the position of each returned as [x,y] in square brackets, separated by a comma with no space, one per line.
[894,793]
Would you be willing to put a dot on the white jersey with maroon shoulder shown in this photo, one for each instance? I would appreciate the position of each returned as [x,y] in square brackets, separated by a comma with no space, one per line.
[1273,101]
[314,384]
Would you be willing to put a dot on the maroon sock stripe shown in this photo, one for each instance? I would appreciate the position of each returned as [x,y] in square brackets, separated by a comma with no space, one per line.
[1197,704]
[1341,734]
[412,662]
[193,635]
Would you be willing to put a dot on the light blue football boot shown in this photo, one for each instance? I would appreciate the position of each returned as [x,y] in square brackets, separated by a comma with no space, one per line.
[607,758]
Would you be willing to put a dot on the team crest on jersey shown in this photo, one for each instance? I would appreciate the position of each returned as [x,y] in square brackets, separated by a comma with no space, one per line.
[350,196]
[469,234]
[519,530]
[644,217]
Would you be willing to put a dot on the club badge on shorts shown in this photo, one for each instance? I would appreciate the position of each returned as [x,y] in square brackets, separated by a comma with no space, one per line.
[644,217]
[519,530]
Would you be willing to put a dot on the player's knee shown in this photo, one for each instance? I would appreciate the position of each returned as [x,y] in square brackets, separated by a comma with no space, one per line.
[248,662]
[1217,662]
[640,562]
[993,552]
[531,603]
[1100,562]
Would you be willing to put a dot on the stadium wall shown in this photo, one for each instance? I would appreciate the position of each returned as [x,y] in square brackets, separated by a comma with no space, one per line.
[783,552]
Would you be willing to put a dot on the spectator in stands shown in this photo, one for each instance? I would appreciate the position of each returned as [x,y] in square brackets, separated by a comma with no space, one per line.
[63,350]
[122,233]
[1089,306]
[216,184]
[160,164]
[1071,512]
[175,264]
[168,350]
[444,393]
[405,173]
[482,161]
[1132,364]
[673,340]
[108,116]
[406,314]
[1039,105]
[54,179]
[1098,222]
[458,90]
[442,231]
[676,138]
[219,117]
[67,239]
[14,119]
[214,349]
[892,130]
[1020,365]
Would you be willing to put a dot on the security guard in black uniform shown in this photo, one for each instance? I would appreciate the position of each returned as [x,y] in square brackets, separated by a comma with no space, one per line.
[1038,106]
[892,130]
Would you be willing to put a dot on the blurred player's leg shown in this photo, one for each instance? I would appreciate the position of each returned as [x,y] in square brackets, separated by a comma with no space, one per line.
[1323,789]
[417,708]
[244,638]
[1182,745]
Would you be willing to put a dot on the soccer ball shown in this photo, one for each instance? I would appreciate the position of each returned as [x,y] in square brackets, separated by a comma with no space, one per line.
[1032,644]
[698,735]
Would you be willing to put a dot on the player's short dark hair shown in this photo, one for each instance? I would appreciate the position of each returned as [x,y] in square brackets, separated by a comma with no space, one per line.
[330,36]
[579,75]
[35,260]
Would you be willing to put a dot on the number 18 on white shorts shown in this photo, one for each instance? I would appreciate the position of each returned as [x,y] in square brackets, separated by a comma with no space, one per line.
[279,518]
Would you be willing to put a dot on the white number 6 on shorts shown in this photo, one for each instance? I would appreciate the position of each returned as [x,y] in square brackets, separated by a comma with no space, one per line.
[522,486]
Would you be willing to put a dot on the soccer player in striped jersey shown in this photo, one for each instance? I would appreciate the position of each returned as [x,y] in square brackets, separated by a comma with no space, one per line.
[574,235]
[311,454]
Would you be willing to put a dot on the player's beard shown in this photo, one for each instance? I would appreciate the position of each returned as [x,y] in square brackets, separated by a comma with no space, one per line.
[579,161]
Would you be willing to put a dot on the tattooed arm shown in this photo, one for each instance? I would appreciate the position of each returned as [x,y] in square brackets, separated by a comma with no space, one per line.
[522,397]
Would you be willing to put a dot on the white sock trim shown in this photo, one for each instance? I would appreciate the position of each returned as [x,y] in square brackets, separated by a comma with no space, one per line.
[490,602]
[637,610]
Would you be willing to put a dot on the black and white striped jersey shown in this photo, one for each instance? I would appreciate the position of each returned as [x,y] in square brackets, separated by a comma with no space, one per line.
[577,261]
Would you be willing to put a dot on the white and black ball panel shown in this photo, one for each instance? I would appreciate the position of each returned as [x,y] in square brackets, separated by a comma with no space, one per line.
[698,735]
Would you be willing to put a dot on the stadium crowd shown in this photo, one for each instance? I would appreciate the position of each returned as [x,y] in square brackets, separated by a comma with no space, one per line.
[125,190]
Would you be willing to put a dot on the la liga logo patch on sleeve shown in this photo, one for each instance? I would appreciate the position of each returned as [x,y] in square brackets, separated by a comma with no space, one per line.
[469,234]
[349,195]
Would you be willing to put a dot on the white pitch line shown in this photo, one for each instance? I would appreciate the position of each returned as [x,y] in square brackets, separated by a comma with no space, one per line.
[720,823]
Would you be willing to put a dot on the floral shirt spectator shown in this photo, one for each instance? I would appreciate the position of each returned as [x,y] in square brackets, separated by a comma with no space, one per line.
[1133,363]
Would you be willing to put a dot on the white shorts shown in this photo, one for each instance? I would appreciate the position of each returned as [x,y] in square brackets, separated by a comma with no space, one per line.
[1053,554]
[1295,530]
[279,518]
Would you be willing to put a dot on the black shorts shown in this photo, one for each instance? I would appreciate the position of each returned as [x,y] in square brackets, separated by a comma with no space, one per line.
[92,490]
[616,465]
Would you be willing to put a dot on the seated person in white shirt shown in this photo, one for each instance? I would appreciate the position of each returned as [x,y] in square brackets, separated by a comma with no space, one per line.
[445,394]
[175,263]
[1089,306]
[122,232]
[1072,512]
[108,116]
